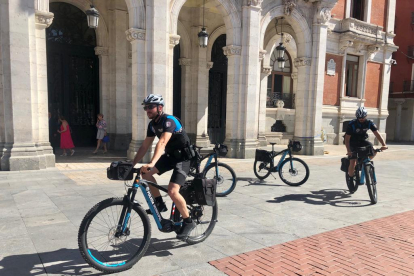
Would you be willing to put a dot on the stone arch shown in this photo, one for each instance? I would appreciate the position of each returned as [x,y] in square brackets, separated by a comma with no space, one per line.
[299,24]
[213,36]
[230,14]
[101,31]
[272,44]
[185,41]
[136,10]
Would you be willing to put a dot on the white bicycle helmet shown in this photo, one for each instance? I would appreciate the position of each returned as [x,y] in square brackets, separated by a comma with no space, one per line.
[154,99]
[361,112]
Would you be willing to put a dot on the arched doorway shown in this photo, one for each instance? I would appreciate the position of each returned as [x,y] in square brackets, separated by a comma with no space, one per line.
[73,72]
[280,83]
[217,92]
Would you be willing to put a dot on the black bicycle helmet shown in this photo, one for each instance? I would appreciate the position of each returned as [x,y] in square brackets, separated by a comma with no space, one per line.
[154,99]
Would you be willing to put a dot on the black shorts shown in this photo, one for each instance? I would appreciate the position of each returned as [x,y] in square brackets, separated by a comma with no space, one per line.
[181,168]
[358,144]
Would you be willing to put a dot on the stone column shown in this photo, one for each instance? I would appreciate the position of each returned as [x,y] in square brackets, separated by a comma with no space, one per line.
[139,87]
[186,96]
[104,83]
[265,72]
[397,134]
[174,41]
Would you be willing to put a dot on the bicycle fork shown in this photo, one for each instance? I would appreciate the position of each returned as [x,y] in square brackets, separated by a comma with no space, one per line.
[126,212]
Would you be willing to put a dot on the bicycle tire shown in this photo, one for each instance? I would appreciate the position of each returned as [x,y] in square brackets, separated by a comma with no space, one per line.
[371,186]
[259,166]
[287,161]
[83,241]
[352,188]
[220,179]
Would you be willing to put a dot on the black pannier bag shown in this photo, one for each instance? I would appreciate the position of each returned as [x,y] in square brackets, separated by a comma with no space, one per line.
[187,191]
[296,146]
[344,164]
[205,191]
[120,170]
[263,156]
[222,152]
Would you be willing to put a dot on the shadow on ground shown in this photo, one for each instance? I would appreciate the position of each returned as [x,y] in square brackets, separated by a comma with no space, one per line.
[334,197]
[256,182]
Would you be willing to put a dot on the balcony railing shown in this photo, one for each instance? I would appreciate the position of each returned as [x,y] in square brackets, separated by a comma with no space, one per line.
[408,86]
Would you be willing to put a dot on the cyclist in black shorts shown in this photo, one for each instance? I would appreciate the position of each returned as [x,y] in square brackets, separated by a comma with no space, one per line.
[172,139]
[356,136]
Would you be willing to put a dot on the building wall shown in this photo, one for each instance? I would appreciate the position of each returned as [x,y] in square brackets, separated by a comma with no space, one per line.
[338,11]
[332,85]
[373,84]
[378,12]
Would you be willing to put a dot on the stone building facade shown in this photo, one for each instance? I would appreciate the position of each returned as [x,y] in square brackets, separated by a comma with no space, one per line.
[338,58]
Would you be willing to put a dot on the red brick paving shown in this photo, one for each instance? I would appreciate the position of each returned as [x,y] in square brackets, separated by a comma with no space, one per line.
[379,247]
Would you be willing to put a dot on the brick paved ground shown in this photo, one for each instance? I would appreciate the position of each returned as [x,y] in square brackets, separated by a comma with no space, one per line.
[379,247]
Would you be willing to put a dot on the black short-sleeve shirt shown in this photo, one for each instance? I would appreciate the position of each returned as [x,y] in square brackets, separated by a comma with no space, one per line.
[169,123]
[358,131]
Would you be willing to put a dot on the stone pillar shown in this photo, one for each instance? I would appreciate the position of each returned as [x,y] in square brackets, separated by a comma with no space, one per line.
[265,72]
[104,83]
[309,95]
[241,133]
[186,96]
[174,41]
[397,134]
[24,142]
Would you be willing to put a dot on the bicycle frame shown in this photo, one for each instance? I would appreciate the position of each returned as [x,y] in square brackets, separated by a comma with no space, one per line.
[362,164]
[282,158]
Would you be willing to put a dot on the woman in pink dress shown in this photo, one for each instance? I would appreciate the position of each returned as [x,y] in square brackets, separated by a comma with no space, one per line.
[65,137]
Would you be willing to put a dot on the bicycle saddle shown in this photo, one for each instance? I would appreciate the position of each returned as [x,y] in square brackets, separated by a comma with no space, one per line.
[272,143]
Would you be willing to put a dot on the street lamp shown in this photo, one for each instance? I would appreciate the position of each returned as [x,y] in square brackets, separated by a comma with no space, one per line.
[203,35]
[280,49]
[93,17]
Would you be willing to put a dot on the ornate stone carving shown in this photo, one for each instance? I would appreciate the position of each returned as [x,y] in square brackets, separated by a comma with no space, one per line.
[287,38]
[44,19]
[135,34]
[294,76]
[262,54]
[101,51]
[255,3]
[372,51]
[266,70]
[358,46]
[210,65]
[232,50]
[184,61]
[324,14]
[345,44]
[360,27]
[289,6]
[174,40]
[303,61]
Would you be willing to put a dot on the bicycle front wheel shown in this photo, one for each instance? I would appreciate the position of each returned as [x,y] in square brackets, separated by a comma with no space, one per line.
[261,169]
[352,184]
[205,218]
[371,185]
[294,171]
[106,250]
[225,176]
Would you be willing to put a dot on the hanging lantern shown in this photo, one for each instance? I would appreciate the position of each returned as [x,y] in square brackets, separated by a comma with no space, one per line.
[280,50]
[203,38]
[93,17]
[281,62]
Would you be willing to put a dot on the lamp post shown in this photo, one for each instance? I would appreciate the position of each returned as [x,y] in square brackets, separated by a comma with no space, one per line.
[93,17]
[203,35]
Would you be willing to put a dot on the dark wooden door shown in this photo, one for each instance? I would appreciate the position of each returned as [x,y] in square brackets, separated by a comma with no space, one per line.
[217,92]
[73,72]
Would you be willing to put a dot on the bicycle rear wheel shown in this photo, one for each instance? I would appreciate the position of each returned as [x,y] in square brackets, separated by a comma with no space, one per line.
[294,171]
[100,245]
[226,178]
[262,169]
[371,185]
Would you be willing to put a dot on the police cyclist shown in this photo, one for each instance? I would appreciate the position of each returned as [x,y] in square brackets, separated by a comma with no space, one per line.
[356,136]
[172,138]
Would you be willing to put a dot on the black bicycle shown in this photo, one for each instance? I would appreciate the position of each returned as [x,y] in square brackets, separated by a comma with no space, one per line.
[116,232]
[364,172]
[223,173]
[293,171]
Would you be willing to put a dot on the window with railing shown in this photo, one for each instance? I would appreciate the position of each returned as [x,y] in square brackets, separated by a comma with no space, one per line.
[408,86]
[279,83]
[358,9]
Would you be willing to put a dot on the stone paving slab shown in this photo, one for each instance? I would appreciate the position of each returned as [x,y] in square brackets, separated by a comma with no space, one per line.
[379,247]
[40,212]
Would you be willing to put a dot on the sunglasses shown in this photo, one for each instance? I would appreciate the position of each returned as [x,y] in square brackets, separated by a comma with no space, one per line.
[151,106]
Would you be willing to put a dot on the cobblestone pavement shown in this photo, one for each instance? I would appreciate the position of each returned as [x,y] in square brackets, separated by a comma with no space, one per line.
[40,213]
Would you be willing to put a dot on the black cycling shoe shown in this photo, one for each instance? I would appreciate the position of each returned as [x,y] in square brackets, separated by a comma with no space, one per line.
[186,230]
[160,206]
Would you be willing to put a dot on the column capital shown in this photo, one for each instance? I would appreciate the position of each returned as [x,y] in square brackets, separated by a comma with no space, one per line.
[232,50]
[290,5]
[344,44]
[323,14]
[210,65]
[44,19]
[266,70]
[174,40]
[135,34]
[101,51]
[303,61]
[262,54]
[255,3]
[184,61]
[294,76]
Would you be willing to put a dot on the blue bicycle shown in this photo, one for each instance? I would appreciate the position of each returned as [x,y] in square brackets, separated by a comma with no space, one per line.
[116,232]
[364,173]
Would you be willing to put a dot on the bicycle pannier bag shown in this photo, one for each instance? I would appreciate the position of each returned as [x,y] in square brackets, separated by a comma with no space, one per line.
[120,170]
[263,156]
[222,151]
[344,164]
[205,191]
[296,146]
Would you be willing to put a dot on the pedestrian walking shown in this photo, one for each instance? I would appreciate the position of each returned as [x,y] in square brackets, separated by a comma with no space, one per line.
[65,137]
[101,125]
